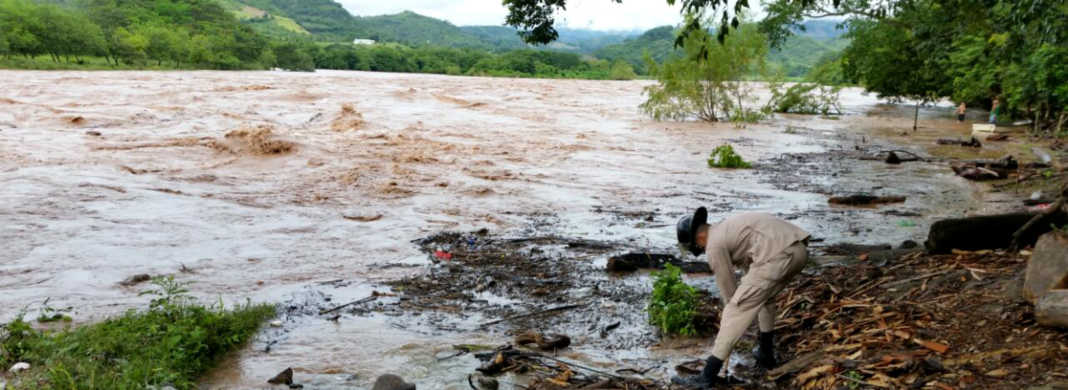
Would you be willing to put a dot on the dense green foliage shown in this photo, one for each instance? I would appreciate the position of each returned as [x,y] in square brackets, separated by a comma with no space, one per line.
[967,50]
[804,98]
[192,32]
[673,304]
[708,81]
[657,43]
[723,156]
[172,343]
[794,59]
[430,59]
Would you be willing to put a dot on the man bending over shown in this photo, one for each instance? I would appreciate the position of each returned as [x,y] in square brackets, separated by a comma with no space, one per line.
[772,250]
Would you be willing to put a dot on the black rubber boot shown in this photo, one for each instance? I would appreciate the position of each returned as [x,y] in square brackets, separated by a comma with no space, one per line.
[708,378]
[765,353]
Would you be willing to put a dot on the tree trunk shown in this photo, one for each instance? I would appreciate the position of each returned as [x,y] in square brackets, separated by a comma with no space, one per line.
[916,117]
[987,232]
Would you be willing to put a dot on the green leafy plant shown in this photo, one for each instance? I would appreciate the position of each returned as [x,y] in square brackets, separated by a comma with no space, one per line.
[52,314]
[172,343]
[674,303]
[856,377]
[724,157]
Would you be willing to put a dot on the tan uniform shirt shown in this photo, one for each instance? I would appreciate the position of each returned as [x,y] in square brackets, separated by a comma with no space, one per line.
[748,240]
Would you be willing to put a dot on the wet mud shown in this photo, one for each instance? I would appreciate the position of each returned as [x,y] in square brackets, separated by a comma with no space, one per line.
[309,189]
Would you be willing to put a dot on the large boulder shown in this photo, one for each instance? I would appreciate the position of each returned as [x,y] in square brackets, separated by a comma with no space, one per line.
[1052,309]
[392,382]
[1048,268]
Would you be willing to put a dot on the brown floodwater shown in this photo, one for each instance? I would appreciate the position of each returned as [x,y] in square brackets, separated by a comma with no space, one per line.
[272,186]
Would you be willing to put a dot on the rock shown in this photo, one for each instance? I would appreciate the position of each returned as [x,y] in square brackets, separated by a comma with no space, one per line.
[908,244]
[549,342]
[487,383]
[1052,309]
[276,324]
[864,199]
[892,158]
[392,382]
[283,378]
[1048,267]
[19,367]
[135,280]
[93,133]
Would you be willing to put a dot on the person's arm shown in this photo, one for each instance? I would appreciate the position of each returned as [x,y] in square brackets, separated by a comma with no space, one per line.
[719,260]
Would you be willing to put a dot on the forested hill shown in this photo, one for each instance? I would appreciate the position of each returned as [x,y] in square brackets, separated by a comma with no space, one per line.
[819,39]
[328,20]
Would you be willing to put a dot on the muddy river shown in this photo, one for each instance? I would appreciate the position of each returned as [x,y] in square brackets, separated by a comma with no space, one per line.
[308,189]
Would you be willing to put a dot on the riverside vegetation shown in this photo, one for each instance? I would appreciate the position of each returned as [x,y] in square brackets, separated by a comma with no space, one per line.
[172,343]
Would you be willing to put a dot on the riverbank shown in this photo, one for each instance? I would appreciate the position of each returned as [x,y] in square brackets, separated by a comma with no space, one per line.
[307,189]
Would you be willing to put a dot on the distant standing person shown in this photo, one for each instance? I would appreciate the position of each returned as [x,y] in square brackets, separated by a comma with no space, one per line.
[960,111]
[994,110]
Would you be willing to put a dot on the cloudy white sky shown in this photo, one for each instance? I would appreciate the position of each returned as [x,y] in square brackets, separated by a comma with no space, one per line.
[592,14]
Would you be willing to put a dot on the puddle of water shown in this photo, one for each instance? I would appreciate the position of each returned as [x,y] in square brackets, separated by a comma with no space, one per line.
[154,193]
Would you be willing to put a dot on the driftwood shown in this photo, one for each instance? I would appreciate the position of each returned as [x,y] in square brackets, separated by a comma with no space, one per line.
[630,262]
[973,143]
[894,156]
[356,302]
[1018,237]
[986,169]
[864,199]
[536,313]
[989,231]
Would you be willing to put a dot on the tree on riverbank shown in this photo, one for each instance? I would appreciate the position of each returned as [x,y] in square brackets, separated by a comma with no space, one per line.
[968,50]
[708,80]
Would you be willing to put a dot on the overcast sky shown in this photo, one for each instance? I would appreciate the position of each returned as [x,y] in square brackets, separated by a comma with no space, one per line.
[592,14]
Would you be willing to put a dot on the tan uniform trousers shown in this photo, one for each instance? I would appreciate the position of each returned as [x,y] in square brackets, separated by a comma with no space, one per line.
[756,297]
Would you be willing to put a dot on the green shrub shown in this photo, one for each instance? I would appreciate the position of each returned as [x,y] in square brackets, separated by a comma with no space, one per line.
[173,343]
[674,303]
[724,157]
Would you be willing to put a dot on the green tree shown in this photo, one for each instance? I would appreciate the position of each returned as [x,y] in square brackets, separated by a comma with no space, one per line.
[708,81]
[621,70]
[888,59]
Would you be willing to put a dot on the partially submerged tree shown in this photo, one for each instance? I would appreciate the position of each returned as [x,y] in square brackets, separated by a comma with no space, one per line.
[708,81]
[888,60]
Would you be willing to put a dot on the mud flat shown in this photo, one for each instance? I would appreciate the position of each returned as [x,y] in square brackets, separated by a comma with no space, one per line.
[311,189]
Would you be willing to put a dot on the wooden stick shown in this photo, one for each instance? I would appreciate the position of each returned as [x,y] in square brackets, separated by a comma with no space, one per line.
[595,371]
[356,302]
[539,312]
[903,281]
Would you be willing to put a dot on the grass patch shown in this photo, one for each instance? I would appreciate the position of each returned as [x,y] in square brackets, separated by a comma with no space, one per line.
[173,343]
[724,157]
[674,303]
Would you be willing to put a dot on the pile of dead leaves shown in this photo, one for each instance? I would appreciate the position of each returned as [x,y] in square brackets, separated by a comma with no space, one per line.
[925,321]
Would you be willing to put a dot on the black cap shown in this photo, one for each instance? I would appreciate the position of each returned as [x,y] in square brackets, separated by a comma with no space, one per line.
[686,229]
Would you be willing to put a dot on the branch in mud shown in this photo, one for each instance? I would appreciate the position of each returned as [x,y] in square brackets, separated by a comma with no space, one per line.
[536,313]
[630,262]
[356,302]
[1018,236]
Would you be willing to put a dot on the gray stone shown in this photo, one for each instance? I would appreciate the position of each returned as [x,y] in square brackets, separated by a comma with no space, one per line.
[1048,267]
[1052,309]
[392,382]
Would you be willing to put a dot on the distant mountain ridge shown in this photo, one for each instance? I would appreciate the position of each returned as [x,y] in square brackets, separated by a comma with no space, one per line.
[328,20]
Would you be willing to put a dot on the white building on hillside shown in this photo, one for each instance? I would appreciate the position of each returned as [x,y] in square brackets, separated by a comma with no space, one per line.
[359,41]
